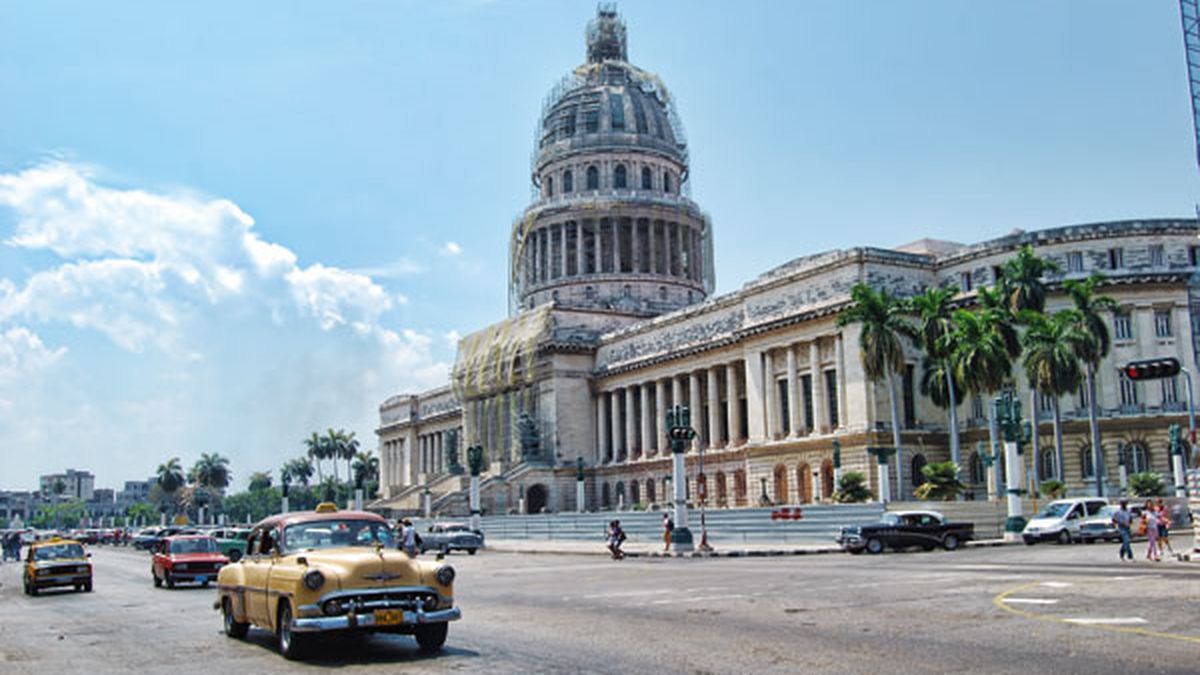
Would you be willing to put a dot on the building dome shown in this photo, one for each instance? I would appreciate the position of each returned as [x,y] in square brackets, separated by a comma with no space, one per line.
[611,227]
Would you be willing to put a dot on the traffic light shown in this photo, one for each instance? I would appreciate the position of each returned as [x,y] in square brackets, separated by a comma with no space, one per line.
[1151,369]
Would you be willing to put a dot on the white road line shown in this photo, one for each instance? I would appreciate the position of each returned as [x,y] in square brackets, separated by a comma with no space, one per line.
[1136,576]
[1031,601]
[1120,620]
[699,599]
[1057,584]
[621,594]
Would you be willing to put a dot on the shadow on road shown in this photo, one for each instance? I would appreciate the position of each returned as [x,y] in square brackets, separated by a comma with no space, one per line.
[335,651]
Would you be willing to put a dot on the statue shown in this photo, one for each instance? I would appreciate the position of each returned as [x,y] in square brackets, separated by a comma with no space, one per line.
[530,437]
[579,468]
[452,453]
[476,460]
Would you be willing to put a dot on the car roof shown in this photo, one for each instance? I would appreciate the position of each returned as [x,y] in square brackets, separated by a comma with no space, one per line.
[916,513]
[285,519]
[53,541]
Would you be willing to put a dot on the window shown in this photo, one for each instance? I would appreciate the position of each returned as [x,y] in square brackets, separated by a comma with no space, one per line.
[964,281]
[997,274]
[662,293]
[977,469]
[910,407]
[1170,391]
[1194,255]
[1116,258]
[646,178]
[589,292]
[549,186]
[977,408]
[1045,402]
[591,121]
[831,397]
[616,104]
[666,181]
[627,290]
[1122,326]
[1087,468]
[1157,255]
[806,389]
[568,181]
[593,178]
[1129,392]
[639,115]
[785,418]
[1136,458]
[1075,261]
[1083,395]
[619,177]
[1162,323]
[918,463]
[568,122]
[1046,468]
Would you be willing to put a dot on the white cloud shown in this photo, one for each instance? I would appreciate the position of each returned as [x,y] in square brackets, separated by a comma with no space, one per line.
[451,248]
[22,353]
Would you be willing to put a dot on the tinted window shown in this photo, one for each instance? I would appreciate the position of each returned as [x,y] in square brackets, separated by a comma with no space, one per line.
[194,546]
[58,551]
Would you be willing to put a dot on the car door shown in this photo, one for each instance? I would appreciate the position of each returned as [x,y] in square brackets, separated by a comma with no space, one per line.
[256,569]
[1073,519]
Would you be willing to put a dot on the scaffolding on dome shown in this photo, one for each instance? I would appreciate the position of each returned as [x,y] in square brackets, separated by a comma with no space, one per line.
[500,357]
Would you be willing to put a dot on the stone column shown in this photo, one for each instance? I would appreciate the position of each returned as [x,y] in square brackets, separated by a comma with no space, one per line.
[635,246]
[614,416]
[770,394]
[598,241]
[651,226]
[601,429]
[630,423]
[437,452]
[694,405]
[756,422]
[713,440]
[734,410]
[644,391]
[660,423]
[676,390]
[840,365]
[820,411]
[579,250]
[616,242]
[793,389]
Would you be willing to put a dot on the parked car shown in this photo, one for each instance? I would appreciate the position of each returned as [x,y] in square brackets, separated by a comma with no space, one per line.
[328,571]
[57,562]
[186,558]
[148,539]
[231,541]
[902,529]
[446,537]
[1100,526]
[1061,519]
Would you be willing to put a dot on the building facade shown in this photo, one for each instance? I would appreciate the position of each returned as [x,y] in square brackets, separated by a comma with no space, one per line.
[76,484]
[613,323]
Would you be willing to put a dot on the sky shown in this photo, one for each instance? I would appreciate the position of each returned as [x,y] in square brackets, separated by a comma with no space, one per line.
[225,225]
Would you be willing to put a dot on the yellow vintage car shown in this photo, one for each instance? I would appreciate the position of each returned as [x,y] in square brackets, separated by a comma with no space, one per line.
[328,571]
[57,562]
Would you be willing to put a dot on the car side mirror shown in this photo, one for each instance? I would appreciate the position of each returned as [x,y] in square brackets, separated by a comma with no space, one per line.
[440,556]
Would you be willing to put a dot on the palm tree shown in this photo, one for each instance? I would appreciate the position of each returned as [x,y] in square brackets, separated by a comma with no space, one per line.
[1023,276]
[334,449]
[934,320]
[260,480]
[211,471]
[980,357]
[301,469]
[315,446]
[170,476]
[366,468]
[1091,347]
[1051,365]
[350,446]
[881,348]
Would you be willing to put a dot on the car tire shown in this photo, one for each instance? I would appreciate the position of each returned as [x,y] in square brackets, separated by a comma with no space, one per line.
[1064,537]
[235,555]
[233,628]
[874,546]
[471,551]
[855,551]
[33,590]
[87,587]
[431,636]
[1029,541]
[950,542]
[291,645]
[1087,540]
[170,582]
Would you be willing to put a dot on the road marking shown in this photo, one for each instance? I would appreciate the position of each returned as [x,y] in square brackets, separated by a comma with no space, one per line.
[999,602]
[1032,601]
[621,594]
[1137,576]
[699,599]
[1057,584]
[1115,621]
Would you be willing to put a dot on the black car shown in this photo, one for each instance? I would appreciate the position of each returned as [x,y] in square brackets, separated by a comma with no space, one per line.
[903,529]
[147,540]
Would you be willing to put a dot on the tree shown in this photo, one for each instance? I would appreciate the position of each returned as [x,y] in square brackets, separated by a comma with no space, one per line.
[315,447]
[935,320]
[881,347]
[335,449]
[980,356]
[170,478]
[366,469]
[212,471]
[1054,489]
[1051,365]
[349,446]
[59,487]
[852,488]
[260,480]
[1147,484]
[1023,275]
[301,470]
[1091,346]
[941,482]
[66,514]
[141,513]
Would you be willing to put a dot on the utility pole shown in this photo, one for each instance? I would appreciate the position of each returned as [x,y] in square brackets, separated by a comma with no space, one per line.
[680,434]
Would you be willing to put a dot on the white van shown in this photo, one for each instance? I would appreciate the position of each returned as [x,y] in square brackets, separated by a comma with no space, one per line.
[1060,520]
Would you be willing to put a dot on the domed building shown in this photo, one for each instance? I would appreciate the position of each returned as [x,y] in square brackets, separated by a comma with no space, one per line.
[612,322]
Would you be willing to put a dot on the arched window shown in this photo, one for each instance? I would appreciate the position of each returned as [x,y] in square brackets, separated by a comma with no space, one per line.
[977,469]
[1137,459]
[593,178]
[621,495]
[1087,468]
[646,178]
[1046,468]
[635,493]
[627,290]
[650,496]
[549,186]
[568,181]
[666,181]
[619,178]
[662,292]
[918,463]
[589,292]
[781,484]
[739,487]
[604,496]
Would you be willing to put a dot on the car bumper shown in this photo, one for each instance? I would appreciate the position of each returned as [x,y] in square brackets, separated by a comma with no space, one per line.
[368,620]
[1041,536]
[196,577]
[851,542]
[62,580]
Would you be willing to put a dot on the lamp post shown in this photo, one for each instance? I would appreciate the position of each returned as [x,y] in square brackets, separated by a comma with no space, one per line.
[1175,436]
[1008,419]
[1122,469]
[580,493]
[702,488]
[837,464]
[680,433]
[881,457]
[284,501]
[476,462]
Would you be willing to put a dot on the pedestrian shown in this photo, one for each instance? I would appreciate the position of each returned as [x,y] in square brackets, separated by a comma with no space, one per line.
[1164,527]
[1123,519]
[409,541]
[668,528]
[1150,525]
[616,537]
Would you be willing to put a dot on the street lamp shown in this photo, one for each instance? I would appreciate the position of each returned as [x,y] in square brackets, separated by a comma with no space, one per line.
[680,433]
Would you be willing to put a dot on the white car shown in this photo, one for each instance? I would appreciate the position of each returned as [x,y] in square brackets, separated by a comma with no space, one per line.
[1060,520]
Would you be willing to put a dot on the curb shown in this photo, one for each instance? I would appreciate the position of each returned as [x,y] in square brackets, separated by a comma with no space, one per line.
[725,553]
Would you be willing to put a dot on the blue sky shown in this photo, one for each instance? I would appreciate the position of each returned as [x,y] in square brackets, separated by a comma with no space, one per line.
[228,224]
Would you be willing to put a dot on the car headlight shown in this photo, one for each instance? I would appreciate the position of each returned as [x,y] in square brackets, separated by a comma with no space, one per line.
[332,608]
[313,579]
[445,575]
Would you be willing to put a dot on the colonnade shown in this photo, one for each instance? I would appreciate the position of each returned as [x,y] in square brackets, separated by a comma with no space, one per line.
[613,245]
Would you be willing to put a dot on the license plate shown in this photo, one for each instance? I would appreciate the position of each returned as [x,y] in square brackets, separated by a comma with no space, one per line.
[388,617]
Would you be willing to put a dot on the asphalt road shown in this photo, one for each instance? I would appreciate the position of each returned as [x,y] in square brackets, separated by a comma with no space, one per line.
[1044,609]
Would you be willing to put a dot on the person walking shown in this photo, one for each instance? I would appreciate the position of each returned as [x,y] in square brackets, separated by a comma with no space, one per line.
[408,538]
[668,528]
[1123,519]
[616,536]
[1150,524]
[1164,528]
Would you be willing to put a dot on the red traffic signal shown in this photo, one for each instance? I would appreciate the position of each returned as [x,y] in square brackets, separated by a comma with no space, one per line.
[1151,369]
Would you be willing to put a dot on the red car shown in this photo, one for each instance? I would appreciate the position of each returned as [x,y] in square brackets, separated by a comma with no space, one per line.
[186,558]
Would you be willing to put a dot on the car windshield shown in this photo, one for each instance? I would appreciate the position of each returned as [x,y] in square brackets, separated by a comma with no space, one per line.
[205,545]
[890,519]
[336,533]
[58,552]
[1108,511]
[1056,510]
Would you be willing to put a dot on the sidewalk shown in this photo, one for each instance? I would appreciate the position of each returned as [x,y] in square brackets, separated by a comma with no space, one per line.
[648,550]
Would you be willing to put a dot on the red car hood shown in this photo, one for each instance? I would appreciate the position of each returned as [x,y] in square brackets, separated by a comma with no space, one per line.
[198,557]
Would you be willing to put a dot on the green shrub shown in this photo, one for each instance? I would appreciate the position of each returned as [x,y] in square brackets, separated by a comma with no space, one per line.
[941,482]
[1147,484]
[1053,489]
[852,488]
